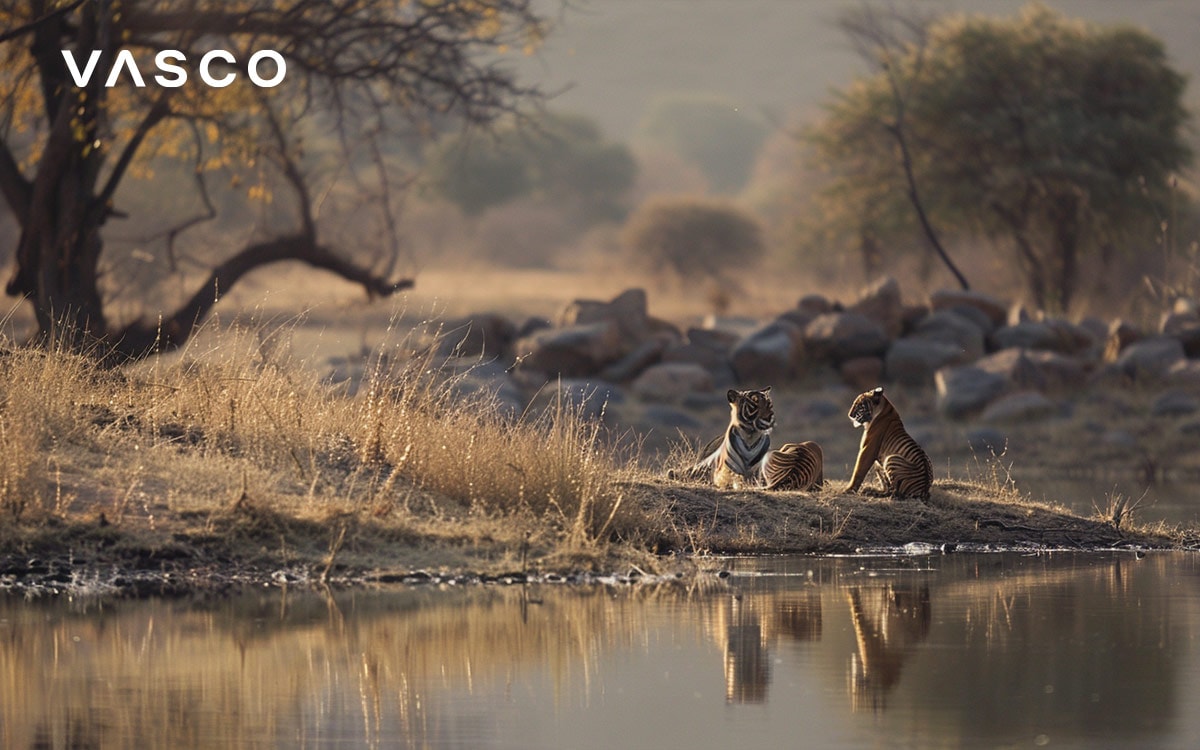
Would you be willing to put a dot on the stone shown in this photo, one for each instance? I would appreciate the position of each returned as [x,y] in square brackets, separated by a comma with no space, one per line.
[1184,374]
[1022,406]
[1174,404]
[1036,370]
[862,373]
[588,397]
[976,316]
[840,336]
[669,418]
[1029,334]
[716,339]
[913,361]
[627,309]
[482,335]
[769,355]
[1150,359]
[695,354]
[880,301]
[951,328]
[644,355]
[575,351]
[995,309]
[669,382]
[814,304]
[966,390]
[1184,326]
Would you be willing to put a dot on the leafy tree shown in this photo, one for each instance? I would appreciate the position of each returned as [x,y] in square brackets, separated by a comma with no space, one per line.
[355,70]
[560,157]
[708,131]
[1051,133]
[693,237]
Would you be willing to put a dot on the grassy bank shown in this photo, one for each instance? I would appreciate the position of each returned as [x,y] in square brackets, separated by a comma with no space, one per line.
[233,461]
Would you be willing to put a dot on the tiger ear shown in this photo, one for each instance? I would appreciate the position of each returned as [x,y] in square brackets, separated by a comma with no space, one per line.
[879,391]
[732,395]
[767,389]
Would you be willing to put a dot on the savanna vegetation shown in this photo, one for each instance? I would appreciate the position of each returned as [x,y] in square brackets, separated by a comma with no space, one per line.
[132,436]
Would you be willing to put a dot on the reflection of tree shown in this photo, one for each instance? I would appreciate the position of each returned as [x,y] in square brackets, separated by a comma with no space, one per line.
[888,622]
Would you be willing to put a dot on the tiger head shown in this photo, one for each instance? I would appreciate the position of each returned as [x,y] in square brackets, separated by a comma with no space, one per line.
[866,406]
[752,409]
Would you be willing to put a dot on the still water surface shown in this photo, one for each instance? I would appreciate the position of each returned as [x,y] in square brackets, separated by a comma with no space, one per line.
[975,651]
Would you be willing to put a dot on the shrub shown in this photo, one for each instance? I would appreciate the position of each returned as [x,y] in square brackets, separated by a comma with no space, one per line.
[693,237]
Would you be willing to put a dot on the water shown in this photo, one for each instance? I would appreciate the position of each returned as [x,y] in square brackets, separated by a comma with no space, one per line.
[974,651]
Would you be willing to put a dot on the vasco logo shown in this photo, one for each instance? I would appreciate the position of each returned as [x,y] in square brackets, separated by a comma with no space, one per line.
[175,75]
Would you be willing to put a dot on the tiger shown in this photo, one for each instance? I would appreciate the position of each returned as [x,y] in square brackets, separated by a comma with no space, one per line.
[903,467]
[745,458]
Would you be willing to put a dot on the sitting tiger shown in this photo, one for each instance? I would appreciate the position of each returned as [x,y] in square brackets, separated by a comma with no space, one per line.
[903,467]
[745,458]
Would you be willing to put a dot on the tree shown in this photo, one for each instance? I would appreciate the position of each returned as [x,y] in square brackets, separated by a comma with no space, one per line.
[360,70]
[693,237]
[1050,133]
[561,157]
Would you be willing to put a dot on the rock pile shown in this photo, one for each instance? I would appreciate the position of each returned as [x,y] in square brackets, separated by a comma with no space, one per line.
[982,356]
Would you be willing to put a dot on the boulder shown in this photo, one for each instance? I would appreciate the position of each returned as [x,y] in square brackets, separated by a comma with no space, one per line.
[815,304]
[627,367]
[995,309]
[881,302]
[1184,374]
[716,339]
[695,354]
[1035,370]
[576,351]
[1026,335]
[951,328]
[483,335]
[976,316]
[1022,406]
[671,382]
[627,309]
[1150,359]
[771,354]
[862,373]
[588,397]
[913,361]
[987,441]
[966,390]
[1184,326]
[840,336]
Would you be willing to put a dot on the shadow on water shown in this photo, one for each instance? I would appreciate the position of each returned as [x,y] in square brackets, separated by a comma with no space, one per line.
[957,650]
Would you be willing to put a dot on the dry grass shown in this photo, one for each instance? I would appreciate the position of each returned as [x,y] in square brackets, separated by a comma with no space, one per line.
[234,443]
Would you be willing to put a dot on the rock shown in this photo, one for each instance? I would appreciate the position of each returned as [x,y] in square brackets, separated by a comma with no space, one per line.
[976,316]
[771,354]
[694,354]
[966,390]
[670,382]
[951,328]
[913,361]
[814,304]
[1095,327]
[627,309]
[1026,335]
[862,372]
[987,440]
[735,325]
[1022,406]
[590,398]
[483,335]
[1184,326]
[1018,313]
[1150,359]
[1119,439]
[1174,404]
[881,302]
[840,336]
[1036,370]
[576,351]
[996,310]
[643,355]
[716,339]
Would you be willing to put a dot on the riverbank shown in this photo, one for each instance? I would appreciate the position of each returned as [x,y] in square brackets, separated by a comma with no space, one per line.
[249,545]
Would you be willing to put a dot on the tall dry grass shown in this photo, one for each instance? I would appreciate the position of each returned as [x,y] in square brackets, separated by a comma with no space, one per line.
[238,420]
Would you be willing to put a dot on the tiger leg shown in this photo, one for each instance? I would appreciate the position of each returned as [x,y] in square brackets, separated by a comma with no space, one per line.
[905,478]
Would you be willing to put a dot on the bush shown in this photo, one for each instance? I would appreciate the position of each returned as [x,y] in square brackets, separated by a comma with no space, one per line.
[693,237]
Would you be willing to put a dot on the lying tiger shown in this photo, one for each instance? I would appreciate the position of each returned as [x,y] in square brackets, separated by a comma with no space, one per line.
[745,458]
[903,467]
